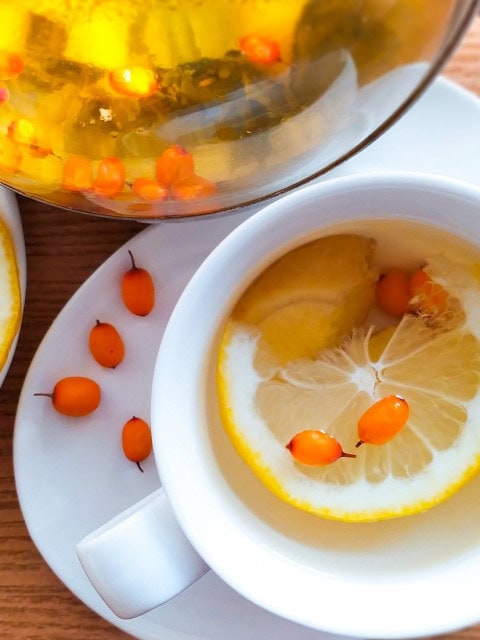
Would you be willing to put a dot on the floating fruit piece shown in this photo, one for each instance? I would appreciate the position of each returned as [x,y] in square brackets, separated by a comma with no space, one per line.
[315,447]
[10,156]
[74,396]
[106,344]
[136,82]
[11,65]
[77,174]
[138,290]
[149,189]
[392,292]
[24,133]
[110,178]
[4,93]
[383,420]
[259,49]
[427,296]
[193,187]
[136,440]
[174,165]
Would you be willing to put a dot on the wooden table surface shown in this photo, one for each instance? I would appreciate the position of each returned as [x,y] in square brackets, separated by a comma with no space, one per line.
[62,251]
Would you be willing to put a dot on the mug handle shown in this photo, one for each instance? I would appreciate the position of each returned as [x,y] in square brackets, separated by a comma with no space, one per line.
[141,558]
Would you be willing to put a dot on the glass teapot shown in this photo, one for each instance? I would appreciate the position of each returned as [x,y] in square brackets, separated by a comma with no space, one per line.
[152,109]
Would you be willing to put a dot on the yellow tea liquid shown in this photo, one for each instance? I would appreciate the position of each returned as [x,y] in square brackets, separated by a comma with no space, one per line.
[100,79]
[340,546]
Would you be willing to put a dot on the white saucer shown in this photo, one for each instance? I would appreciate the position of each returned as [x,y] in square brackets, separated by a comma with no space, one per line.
[72,477]
[10,214]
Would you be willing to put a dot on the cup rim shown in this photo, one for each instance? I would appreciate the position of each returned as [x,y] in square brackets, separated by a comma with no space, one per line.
[199,501]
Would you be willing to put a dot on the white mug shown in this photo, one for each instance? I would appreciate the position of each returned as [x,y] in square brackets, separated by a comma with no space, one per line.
[408,577]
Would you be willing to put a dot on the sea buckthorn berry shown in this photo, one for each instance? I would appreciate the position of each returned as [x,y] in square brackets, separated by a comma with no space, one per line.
[149,189]
[106,345]
[4,93]
[110,178]
[174,165]
[138,290]
[316,448]
[392,292]
[194,187]
[383,420]
[427,297]
[11,65]
[74,396]
[136,82]
[136,440]
[77,174]
[260,50]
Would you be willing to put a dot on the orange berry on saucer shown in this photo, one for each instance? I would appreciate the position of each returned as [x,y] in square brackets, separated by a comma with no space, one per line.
[138,289]
[136,440]
[106,345]
[74,396]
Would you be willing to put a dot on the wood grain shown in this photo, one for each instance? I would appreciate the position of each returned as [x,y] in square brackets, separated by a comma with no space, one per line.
[62,251]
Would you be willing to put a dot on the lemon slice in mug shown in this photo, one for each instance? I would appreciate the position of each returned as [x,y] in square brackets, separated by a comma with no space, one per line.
[330,278]
[434,363]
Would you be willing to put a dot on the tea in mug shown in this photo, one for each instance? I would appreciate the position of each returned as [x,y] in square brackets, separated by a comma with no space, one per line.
[349,371]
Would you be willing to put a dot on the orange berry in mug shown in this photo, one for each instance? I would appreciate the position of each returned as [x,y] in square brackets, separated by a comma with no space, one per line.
[428,297]
[383,420]
[315,447]
[393,292]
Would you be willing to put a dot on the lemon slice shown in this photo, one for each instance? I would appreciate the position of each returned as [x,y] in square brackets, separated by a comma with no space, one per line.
[433,363]
[10,294]
[313,294]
